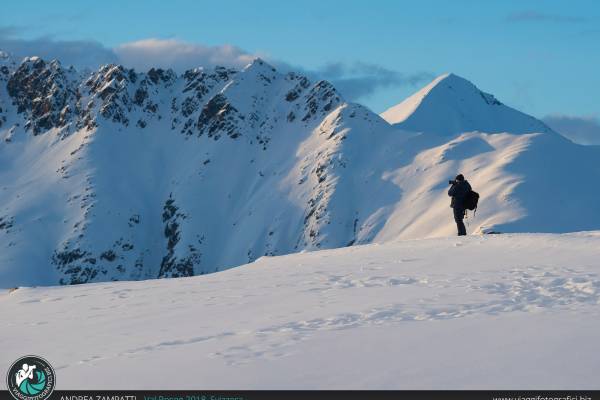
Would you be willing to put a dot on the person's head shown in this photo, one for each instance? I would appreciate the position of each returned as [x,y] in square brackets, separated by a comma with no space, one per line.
[459,178]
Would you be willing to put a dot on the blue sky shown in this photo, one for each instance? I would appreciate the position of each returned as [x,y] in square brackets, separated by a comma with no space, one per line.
[540,57]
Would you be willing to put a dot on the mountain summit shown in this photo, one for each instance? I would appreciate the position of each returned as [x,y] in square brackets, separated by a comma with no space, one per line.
[451,104]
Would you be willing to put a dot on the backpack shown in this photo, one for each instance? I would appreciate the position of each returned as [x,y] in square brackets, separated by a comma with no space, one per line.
[471,199]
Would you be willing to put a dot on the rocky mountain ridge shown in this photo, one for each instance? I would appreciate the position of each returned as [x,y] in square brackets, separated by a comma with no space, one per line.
[206,114]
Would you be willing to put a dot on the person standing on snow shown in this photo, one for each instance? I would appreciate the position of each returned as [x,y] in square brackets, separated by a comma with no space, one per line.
[459,189]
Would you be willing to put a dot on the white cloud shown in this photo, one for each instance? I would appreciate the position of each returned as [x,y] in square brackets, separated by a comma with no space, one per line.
[536,16]
[361,80]
[141,55]
[79,53]
[179,55]
[356,81]
[582,130]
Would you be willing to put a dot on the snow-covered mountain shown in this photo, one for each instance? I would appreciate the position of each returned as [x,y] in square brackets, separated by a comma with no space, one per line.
[125,175]
[116,174]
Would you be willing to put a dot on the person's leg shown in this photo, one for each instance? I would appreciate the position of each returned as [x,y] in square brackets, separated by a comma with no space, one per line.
[462,230]
[458,217]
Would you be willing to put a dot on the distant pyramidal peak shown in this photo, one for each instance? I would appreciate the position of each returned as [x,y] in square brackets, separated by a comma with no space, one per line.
[451,104]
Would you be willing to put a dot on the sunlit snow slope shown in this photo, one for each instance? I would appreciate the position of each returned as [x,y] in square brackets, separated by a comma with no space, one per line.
[530,178]
[491,311]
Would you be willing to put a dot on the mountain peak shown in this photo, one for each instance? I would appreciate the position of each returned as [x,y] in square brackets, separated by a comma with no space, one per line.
[258,71]
[451,104]
[4,56]
[7,64]
[448,77]
[258,64]
[461,86]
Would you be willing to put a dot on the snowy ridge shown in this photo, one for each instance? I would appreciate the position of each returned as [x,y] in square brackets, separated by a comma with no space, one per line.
[527,182]
[120,175]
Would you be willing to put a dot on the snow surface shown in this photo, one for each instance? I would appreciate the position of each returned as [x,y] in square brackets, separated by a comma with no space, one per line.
[514,311]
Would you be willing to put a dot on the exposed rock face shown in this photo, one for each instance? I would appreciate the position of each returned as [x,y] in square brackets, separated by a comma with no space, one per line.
[43,92]
[172,266]
[219,116]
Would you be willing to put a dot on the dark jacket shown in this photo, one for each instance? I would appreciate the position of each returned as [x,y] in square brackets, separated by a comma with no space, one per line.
[458,191]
